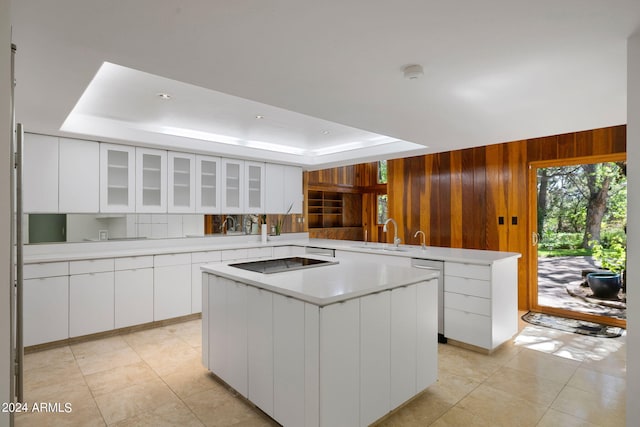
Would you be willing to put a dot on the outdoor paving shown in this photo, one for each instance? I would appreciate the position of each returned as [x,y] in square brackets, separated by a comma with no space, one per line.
[556,274]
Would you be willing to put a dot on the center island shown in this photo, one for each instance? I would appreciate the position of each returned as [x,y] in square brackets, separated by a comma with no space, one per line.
[341,343]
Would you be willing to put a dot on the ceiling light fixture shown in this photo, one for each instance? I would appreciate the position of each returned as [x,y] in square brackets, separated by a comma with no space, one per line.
[413,72]
[325,132]
[259,116]
[164,96]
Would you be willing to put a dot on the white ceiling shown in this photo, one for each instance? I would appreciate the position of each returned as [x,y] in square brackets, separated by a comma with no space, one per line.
[495,71]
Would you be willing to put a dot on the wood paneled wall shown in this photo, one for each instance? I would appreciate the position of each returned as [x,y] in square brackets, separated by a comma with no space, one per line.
[458,197]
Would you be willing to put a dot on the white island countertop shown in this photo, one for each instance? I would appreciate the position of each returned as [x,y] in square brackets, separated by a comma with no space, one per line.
[327,284]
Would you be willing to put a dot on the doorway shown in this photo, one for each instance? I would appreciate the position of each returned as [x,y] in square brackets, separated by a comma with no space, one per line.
[578,221]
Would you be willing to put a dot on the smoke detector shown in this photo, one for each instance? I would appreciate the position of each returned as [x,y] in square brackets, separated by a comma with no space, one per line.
[413,72]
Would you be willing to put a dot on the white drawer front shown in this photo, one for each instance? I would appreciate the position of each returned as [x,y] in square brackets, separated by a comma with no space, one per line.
[45,269]
[206,257]
[260,252]
[91,266]
[462,285]
[468,303]
[133,263]
[472,271]
[235,254]
[171,259]
[469,328]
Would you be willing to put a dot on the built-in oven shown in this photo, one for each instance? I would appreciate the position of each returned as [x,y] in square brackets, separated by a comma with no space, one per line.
[435,266]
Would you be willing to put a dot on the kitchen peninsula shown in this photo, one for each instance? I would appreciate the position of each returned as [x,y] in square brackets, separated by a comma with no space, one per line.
[337,344]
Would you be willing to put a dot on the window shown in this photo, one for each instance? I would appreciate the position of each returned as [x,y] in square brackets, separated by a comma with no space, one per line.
[382,172]
[382,208]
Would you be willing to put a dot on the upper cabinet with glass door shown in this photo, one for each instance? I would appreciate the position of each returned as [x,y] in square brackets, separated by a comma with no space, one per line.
[208,185]
[254,187]
[117,178]
[182,182]
[233,186]
[151,180]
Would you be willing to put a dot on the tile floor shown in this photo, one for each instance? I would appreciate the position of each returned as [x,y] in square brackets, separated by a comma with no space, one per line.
[155,378]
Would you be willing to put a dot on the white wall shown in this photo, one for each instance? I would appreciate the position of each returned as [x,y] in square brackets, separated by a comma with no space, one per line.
[633,229]
[5,210]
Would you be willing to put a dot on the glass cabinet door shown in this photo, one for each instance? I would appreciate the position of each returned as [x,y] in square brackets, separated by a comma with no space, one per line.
[233,191]
[254,187]
[151,180]
[117,178]
[207,184]
[181,182]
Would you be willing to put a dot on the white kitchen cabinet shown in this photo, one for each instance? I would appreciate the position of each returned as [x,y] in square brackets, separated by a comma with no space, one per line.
[233,184]
[293,194]
[283,189]
[91,303]
[198,259]
[208,184]
[403,344]
[234,254]
[171,286]
[117,178]
[79,176]
[151,180]
[236,329]
[46,309]
[40,174]
[375,360]
[181,182]
[254,174]
[261,252]
[340,363]
[481,302]
[260,348]
[274,194]
[289,360]
[133,303]
[374,257]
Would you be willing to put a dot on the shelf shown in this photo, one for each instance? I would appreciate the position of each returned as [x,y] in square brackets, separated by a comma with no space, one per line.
[181,185]
[147,169]
[118,187]
[111,166]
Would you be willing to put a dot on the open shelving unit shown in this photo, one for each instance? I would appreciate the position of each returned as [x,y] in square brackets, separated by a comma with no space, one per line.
[331,209]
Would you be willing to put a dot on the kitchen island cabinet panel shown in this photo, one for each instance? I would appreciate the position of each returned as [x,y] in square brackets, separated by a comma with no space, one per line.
[236,331]
[91,303]
[340,363]
[260,348]
[427,349]
[375,360]
[46,309]
[403,344]
[289,360]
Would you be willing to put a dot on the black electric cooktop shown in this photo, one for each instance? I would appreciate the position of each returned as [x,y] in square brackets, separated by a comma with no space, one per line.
[279,265]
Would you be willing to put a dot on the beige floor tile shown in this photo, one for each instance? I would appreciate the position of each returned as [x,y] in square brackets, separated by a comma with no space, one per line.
[218,407]
[143,339]
[601,408]
[118,378]
[465,363]
[172,358]
[421,411]
[190,380]
[175,414]
[83,416]
[93,363]
[73,391]
[57,373]
[135,400]
[451,388]
[502,408]
[47,358]
[526,386]
[457,417]
[555,418]
[588,379]
[98,347]
[544,365]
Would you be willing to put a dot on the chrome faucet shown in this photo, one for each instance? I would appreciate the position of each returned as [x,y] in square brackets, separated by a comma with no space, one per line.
[422,239]
[396,241]
[233,224]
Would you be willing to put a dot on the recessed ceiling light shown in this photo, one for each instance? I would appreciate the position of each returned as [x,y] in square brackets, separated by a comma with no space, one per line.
[413,72]
[164,96]
[258,116]
[325,132]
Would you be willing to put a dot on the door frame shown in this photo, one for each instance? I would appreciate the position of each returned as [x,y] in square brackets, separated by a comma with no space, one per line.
[533,223]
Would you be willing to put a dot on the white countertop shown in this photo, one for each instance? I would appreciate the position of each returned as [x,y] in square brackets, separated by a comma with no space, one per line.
[327,284]
[96,250]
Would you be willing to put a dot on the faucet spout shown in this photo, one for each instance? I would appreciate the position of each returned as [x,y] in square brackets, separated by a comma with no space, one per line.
[396,240]
[422,238]
[225,227]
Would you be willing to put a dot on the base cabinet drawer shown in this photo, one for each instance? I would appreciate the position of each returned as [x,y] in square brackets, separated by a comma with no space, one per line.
[46,310]
[467,327]
[468,303]
[471,271]
[463,285]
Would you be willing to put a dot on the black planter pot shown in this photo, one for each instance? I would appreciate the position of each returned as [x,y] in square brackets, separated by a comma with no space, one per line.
[604,285]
